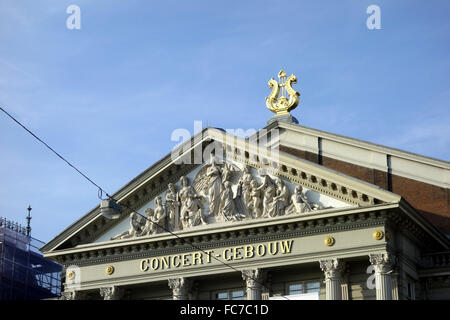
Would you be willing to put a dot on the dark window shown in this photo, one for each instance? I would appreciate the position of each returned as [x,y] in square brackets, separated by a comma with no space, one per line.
[237,294]
[303,287]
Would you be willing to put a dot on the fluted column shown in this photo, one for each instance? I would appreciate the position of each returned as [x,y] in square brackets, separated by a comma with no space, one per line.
[253,279]
[332,269]
[179,288]
[111,293]
[382,264]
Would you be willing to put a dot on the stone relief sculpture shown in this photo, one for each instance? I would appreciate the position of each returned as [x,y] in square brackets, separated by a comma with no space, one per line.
[210,180]
[268,189]
[232,195]
[191,212]
[281,200]
[159,216]
[173,208]
[244,189]
[301,204]
[149,227]
[214,186]
[136,225]
[227,206]
[255,200]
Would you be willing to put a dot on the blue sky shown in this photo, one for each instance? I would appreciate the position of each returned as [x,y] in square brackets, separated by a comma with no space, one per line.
[108,96]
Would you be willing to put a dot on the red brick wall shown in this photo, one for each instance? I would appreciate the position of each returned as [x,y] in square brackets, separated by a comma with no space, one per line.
[432,201]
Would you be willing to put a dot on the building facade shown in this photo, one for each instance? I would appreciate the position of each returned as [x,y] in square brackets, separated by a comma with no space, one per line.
[24,273]
[288,213]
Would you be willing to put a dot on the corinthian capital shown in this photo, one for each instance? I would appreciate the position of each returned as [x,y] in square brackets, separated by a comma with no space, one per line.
[332,268]
[253,277]
[179,288]
[382,262]
[111,293]
[72,295]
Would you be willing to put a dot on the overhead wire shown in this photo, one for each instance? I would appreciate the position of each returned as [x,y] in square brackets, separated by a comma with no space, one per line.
[101,191]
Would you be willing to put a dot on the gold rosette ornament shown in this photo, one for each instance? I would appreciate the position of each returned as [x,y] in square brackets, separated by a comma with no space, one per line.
[329,241]
[283,97]
[109,270]
[378,235]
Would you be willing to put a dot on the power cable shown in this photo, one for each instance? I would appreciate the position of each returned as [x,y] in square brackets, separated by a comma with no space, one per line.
[101,191]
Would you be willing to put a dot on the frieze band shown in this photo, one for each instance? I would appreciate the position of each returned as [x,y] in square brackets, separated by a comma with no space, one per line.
[207,256]
[220,192]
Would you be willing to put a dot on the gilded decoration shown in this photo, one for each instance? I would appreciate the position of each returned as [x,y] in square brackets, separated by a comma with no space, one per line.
[109,270]
[329,241]
[283,97]
[378,235]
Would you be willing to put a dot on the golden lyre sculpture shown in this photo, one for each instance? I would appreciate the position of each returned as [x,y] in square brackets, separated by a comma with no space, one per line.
[278,101]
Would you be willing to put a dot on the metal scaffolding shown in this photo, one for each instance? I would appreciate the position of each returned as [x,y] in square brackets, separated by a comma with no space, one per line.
[24,273]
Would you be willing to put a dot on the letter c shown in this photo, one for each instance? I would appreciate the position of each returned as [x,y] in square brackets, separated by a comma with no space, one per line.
[224,254]
[143,265]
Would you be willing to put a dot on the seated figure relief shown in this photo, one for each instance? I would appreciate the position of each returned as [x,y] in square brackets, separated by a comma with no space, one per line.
[281,200]
[301,204]
[191,212]
[212,188]
[149,227]
[136,225]
[268,190]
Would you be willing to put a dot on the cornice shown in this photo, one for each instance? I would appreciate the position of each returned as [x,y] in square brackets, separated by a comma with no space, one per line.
[273,229]
[422,224]
[362,144]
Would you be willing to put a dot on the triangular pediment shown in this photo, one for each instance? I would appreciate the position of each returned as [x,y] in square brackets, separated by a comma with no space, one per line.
[246,183]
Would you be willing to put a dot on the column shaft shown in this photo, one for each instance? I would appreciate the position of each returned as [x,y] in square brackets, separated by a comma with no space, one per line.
[383,283]
[253,280]
[332,269]
[382,263]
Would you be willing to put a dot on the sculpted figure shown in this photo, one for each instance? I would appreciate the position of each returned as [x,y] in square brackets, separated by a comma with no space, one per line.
[149,227]
[135,228]
[269,190]
[214,186]
[227,172]
[255,200]
[245,186]
[173,208]
[227,205]
[159,216]
[301,204]
[281,200]
[191,212]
